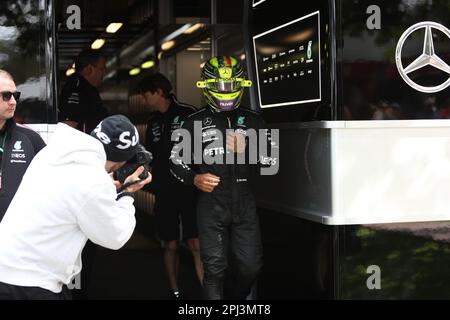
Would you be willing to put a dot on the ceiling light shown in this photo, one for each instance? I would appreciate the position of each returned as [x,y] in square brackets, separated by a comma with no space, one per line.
[113,27]
[194,28]
[176,33]
[147,64]
[110,74]
[167,45]
[97,44]
[70,72]
[134,71]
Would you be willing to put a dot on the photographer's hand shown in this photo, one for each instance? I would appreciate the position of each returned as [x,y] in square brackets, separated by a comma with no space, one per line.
[135,177]
[116,182]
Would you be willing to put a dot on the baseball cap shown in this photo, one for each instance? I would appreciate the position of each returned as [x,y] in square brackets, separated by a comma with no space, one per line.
[119,137]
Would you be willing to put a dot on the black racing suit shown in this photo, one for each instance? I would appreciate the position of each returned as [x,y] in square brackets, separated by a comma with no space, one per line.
[227,219]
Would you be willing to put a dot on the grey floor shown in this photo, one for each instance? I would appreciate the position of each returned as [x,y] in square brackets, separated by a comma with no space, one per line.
[136,271]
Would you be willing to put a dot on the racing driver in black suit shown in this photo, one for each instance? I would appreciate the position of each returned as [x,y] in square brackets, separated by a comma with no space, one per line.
[226,212]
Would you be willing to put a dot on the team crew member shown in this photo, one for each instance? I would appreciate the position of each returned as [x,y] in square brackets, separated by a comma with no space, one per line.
[175,203]
[80,103]
[18,145]
[81,108]
[226,211]
[66,197]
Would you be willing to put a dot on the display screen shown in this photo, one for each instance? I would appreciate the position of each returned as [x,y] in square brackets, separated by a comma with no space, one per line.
[287,62]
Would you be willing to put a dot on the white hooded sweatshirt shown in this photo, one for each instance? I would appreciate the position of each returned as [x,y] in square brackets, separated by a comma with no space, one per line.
[66,196]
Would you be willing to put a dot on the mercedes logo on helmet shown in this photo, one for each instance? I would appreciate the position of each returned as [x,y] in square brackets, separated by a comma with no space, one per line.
[207,121]
[427,58]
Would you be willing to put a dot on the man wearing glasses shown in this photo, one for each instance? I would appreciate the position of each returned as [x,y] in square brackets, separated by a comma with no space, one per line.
[18,145]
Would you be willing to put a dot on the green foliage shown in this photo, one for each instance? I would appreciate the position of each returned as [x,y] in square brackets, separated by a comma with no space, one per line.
[412,266]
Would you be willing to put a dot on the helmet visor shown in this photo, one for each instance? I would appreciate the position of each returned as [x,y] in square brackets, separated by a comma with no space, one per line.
[224,85]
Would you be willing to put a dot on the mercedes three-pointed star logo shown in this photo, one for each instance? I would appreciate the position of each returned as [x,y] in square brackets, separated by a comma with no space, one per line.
[207,121]
[428,56]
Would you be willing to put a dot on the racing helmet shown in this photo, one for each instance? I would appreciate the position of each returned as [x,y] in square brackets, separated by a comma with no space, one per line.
[223,83]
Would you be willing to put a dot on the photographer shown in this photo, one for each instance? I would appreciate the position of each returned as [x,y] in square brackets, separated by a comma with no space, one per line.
[66,197]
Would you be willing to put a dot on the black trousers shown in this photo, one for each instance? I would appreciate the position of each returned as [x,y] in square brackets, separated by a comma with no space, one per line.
[12,292]
[229,228]
[88,259]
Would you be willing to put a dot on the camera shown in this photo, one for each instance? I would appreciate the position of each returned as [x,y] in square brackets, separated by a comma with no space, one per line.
[142,158]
